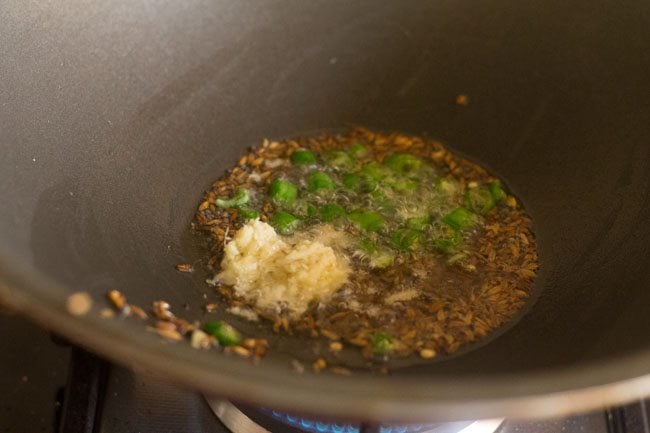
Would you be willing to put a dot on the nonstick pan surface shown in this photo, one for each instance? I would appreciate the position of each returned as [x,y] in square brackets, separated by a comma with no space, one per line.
[116,116]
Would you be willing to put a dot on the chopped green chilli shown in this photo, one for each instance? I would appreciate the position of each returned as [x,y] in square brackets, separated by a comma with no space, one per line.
[405,185]
[366,220]
[358,150]
[375,257]
[418,223]
[351,181]
[447,239]
[283,192]
[389,244]
[319,181]
[381,259]
[403,164]
[406,239]
[303,157]
[332,211]
[225,334]
[338,159]
[284,222]
[241,197]
[382,343]
[497,192]
[479,200]
[460,219]
[311,210]
[374,171]
[248,214]
[447,187]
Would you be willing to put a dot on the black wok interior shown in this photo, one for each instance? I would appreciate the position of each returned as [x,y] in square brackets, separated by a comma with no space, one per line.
[116,117]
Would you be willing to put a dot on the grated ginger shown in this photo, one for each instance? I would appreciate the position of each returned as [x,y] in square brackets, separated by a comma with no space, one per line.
[275,275]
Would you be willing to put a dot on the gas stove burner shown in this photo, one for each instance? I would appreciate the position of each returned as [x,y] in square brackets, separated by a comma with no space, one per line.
[241,419]
[313,426]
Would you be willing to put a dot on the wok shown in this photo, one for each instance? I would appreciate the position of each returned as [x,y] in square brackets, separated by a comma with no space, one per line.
[115,117]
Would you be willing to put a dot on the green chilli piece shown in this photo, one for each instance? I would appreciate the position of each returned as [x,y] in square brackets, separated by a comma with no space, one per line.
[448,240]
[460,219]
[331,212]
[303,157]
[403,163]
[319,181]
[382,343]
[226,335]
[381,259]
[405,185]
[240,198]
[358,150]
[338,159]
[351,181]
[247,213]
[406,239]
[378,258]
[366,220]
[447,186]
[479,200]
[283,192]
[284,222]
[371,175]
[366,246]
[418,223]
[374,171]
[497,191]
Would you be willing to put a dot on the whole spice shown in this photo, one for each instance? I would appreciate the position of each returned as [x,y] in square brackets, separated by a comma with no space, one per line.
[319,365]
[184,267]
[79,303]
[117,299]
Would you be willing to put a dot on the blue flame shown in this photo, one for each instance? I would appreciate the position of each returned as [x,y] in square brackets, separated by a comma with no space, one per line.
[314,426]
